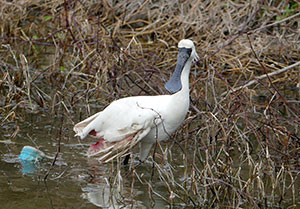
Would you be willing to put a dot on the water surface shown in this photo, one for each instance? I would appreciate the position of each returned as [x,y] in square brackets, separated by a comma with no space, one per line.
[74,182]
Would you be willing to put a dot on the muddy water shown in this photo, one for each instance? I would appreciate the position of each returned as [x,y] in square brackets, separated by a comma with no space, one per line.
[74,182]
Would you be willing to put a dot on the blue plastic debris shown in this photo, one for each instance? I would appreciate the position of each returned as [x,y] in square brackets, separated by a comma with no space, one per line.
[30,158]
[29,153]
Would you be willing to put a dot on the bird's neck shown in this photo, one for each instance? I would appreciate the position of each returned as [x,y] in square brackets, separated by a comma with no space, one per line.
[182,97]
[185,80]
[180,101]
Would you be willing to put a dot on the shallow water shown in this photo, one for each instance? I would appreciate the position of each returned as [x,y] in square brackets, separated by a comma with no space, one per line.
[74,182]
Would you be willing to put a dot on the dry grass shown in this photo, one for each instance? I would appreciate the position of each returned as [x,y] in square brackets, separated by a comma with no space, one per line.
[240,143]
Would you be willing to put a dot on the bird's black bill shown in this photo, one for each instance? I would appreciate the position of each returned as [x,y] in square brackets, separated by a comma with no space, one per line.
[174,84]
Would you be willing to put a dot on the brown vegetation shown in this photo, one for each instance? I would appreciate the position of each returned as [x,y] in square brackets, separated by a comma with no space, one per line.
[240,143]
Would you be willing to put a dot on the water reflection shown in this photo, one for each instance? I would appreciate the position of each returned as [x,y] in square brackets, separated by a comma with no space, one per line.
[108,190]
[28,167]
[110,187]
[102,195]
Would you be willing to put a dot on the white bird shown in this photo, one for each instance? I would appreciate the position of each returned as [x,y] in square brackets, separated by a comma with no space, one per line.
[141,119]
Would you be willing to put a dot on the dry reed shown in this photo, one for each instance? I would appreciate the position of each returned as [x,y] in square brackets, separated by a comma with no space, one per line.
[240,143]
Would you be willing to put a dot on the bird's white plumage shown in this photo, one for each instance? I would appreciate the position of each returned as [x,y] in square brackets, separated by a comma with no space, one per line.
[185,43]
[152,117]
[121,118]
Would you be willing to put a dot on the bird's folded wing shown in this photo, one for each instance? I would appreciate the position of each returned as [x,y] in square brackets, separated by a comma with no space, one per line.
[119,127]
[120,119]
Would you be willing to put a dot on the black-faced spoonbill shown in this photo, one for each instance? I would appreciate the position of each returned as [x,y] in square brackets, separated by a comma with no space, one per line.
[141,119]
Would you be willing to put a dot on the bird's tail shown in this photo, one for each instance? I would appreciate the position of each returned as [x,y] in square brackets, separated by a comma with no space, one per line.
[80,128]
[106,151]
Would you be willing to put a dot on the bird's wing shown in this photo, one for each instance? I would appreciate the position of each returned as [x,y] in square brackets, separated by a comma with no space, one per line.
[120,119]
[119,127]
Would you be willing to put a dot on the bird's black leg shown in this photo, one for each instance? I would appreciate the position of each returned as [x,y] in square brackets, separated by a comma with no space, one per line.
[126,159]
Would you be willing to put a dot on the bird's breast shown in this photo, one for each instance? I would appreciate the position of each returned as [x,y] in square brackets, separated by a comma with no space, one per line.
[169,119]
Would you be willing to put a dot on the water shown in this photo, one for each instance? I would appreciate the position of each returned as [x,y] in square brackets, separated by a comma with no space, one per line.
[78,182]
[74,182]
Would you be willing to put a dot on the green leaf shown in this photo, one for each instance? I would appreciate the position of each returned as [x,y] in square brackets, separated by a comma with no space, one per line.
[295,6]
[61,35]
[47,17]
[62,68]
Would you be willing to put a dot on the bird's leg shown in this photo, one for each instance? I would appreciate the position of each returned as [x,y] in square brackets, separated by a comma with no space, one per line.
[126,159]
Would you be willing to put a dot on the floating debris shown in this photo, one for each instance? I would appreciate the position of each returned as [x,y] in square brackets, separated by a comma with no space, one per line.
[30,159]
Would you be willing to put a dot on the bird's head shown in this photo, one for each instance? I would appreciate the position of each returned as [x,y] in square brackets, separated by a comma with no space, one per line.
[187,53]
[189,46]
